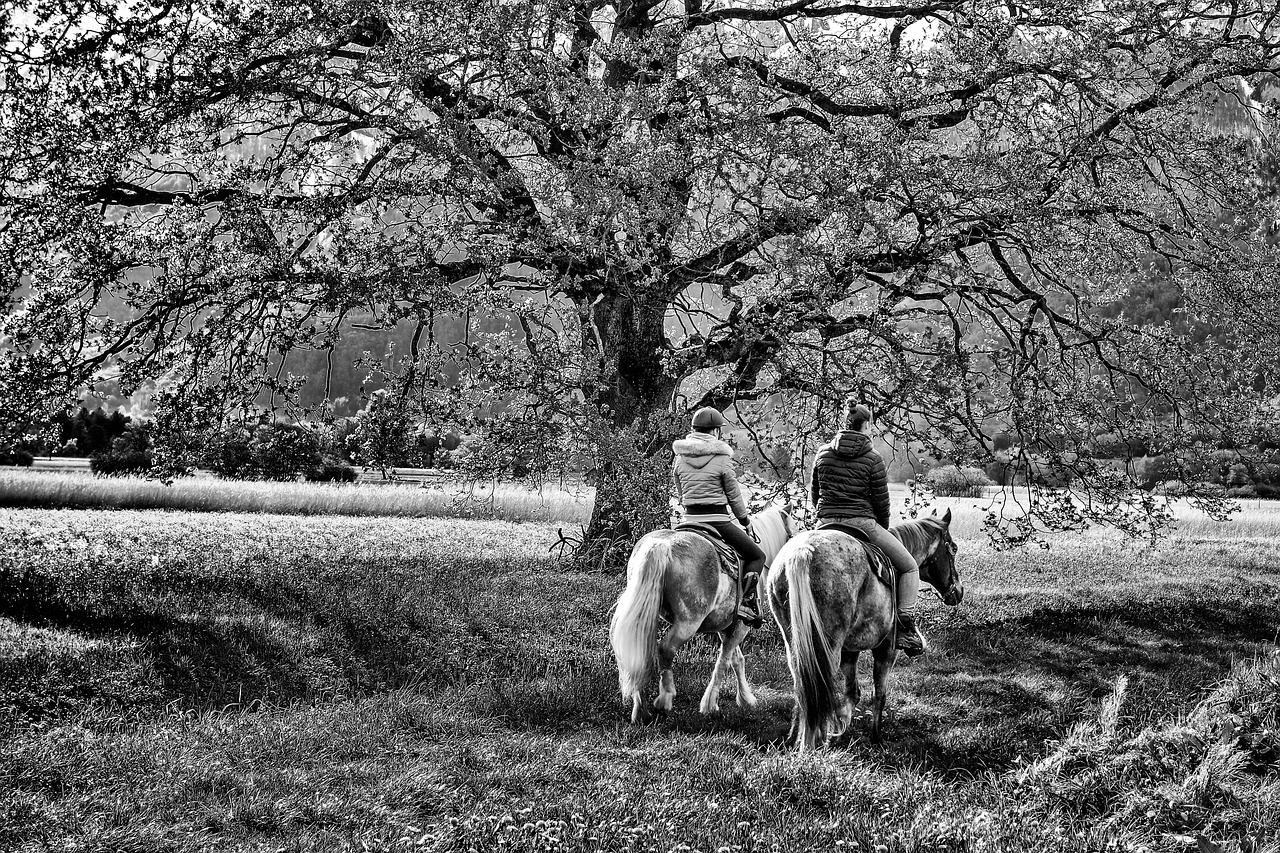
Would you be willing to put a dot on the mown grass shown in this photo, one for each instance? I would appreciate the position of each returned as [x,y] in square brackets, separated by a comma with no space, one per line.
[175,681]
[504,501]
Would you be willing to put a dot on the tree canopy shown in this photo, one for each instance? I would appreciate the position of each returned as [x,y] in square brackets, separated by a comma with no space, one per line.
[640,207]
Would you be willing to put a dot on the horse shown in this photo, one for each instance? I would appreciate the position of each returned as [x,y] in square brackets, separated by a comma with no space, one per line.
[676,574]
[831,606]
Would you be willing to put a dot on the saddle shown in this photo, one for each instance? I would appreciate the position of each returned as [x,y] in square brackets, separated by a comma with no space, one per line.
[730,560]
[880,563]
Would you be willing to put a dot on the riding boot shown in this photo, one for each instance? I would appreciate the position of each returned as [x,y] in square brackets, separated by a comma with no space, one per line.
[749,607]
[910,640]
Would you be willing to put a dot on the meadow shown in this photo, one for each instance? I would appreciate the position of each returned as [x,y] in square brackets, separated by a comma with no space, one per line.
[224,681]
[78,489]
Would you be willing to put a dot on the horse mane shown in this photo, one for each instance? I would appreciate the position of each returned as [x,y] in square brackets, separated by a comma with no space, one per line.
[772,530]
[919,537]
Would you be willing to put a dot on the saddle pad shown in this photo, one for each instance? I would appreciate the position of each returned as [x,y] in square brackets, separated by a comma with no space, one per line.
[880,563]
[730,562]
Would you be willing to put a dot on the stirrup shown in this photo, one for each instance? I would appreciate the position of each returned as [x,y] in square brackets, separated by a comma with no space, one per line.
[749,616]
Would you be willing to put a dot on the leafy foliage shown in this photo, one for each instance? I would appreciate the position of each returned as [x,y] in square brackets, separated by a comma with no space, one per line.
[16,456]
[130,453]
[949,209]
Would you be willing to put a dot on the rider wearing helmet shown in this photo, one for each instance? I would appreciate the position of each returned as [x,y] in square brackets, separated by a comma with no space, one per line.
[850,487]
[708,491]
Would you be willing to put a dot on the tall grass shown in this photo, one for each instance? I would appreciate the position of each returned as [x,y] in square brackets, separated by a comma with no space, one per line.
[504,501]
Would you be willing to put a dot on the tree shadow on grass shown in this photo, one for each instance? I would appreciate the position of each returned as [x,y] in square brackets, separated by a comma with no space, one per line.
[996,689]
[212,642]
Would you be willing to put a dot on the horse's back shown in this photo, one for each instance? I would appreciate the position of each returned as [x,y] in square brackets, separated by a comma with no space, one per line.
[853,604]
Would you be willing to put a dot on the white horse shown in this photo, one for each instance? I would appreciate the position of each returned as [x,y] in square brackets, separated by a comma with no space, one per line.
[676,574]
[831,605]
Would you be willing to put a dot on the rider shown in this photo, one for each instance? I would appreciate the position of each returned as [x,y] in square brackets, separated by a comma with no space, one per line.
[708,490]
[850,487]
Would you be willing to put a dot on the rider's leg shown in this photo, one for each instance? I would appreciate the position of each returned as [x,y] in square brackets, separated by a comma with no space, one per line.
[910,639]
[752,561]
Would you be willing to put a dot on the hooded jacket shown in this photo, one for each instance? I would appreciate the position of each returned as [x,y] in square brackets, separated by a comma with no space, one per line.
[703,474]
[849,479]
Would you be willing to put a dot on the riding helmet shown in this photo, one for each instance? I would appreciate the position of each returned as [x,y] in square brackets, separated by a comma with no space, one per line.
[708,418]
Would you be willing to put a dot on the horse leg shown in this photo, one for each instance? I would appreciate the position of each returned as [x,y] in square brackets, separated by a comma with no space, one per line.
[841,679]
[711,696]
[782,615]
[884,655]
[746,696]
[730,656]
[849,666]
[677,635]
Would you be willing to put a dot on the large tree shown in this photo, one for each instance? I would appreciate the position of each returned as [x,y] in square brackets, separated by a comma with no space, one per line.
[656,205]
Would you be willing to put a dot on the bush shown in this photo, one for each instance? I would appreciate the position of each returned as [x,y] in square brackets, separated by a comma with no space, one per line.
[129,454]
[1238,475]
[229,454]
[1267,491]
[1267,472]
[1002,472]
[1155,470]
[1208,490]
[331,471]
[1170,489]
[1108,445]
[284,451]
[952,482]
[16,456]
[1242,492]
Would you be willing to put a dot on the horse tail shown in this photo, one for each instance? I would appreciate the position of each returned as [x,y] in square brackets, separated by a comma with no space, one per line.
[815,683]
[634,627]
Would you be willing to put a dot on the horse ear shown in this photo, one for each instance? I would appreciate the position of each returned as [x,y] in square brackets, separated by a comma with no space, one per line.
[946,519]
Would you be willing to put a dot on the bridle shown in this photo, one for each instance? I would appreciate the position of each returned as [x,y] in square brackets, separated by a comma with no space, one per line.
[951,594]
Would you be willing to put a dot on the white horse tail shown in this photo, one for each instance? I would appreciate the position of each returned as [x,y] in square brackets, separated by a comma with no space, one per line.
[634,628]
[815,685]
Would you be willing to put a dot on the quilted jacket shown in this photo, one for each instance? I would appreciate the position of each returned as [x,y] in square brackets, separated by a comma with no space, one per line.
[703,473]
[849,479]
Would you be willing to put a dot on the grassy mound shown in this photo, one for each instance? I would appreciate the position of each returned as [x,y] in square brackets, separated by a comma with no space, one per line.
[1203,778]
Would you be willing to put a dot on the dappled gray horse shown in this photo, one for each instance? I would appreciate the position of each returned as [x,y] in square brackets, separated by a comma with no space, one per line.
[676,574]
[831,606]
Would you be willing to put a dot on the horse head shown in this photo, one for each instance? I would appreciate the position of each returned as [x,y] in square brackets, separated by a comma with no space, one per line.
[938,568]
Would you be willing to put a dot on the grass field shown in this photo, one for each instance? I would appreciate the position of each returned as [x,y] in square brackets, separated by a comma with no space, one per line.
[214,681]
[81,490]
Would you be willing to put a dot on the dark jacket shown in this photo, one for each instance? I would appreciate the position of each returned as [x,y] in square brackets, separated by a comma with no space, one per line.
[849,479]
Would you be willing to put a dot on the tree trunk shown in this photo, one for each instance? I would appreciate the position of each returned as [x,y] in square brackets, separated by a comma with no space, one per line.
[634,428]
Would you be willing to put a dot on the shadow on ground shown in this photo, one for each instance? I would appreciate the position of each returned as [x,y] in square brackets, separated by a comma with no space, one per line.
[996,689]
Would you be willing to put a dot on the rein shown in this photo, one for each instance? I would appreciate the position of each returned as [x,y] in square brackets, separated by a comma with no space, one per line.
[930,563]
